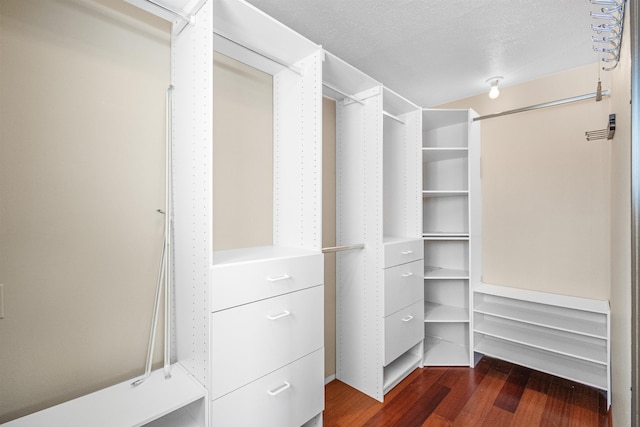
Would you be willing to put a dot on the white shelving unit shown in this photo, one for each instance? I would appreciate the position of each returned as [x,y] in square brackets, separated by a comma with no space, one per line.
[562,335]
[235,304]
[379,299]
[451,233]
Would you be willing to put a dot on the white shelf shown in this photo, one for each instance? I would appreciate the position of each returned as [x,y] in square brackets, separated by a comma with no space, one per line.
[545,340]
[122,404]
[440,313]
[432,273]
[439,352]
[444,193]
[544,318]
[247,255]
[399,369]
[588,373]
[442,235]
[438,154]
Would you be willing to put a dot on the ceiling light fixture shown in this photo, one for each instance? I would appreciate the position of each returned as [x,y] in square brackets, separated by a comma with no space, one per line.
[494,92]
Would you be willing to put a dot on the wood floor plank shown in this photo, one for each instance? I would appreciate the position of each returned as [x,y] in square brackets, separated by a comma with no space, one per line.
[509,397]
[462,389]
[481,401]
[557,410]
[420,396]
[493,394]
[498,417]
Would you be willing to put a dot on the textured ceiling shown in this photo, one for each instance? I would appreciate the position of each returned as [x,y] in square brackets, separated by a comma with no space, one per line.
[435,51]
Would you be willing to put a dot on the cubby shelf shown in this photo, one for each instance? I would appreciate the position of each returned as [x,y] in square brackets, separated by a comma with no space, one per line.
[439,352]
[437,154]
[444,313]
[431,272]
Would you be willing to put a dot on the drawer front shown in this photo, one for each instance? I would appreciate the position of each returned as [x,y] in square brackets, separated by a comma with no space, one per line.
[241,283]
[252,340]
[396,253]
[403,285]
[288,397]
[402,330]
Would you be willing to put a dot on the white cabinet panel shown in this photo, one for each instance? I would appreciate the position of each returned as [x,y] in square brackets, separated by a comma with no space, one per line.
[254,339]
[284,398]
[402,286]
[402,330]
[243,282]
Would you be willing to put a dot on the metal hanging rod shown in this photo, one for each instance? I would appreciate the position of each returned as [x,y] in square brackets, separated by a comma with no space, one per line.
[343,248]
[346,95]
[391,116]
[543,105]
[273,59]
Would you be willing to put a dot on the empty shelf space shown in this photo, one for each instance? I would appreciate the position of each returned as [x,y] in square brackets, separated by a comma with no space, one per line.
[397,370]
[546,339]
[573,369]
[432,272]
[123,404]
[437,154]
[434,312]
[543,318]
[439,352]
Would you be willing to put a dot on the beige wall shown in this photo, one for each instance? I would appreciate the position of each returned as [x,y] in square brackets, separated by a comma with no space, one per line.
[545,189]
[329,232]
[81,176]
[621,238]
[242,155]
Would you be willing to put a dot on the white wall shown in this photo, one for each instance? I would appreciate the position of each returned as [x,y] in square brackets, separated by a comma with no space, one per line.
[81,176]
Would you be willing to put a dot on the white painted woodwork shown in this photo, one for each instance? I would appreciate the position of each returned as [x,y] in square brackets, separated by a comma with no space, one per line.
[252,340]
[378,204]
[562,335]
[123,405]
[402,286]
[290,396]
[451,232]
[263,272]
[246,314]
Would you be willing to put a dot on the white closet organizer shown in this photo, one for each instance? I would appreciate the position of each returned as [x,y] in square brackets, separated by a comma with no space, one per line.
[378,295]
[561,335]
[451,233]
[249,321]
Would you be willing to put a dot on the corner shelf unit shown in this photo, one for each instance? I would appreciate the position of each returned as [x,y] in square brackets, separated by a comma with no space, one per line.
[378,289]
[451,233]
[561,335]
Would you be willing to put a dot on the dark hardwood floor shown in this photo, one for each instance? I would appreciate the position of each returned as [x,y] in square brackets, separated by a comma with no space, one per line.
[494,394]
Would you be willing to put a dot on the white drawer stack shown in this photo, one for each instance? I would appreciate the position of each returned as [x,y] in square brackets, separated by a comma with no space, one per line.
[267,338]
[403,309]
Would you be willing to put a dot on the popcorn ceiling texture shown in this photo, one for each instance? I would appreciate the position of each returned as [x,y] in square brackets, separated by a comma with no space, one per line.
[437,51]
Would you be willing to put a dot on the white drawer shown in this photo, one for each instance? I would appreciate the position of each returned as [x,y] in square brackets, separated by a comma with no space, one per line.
[402,251]
[403,285]
[252,340]
[244,282]
[402,330]
[288,397]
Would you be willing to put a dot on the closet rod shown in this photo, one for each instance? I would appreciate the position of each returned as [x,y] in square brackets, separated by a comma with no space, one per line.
[342,248]
[543,105]
[391,116]
[264,55]
[335,89]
